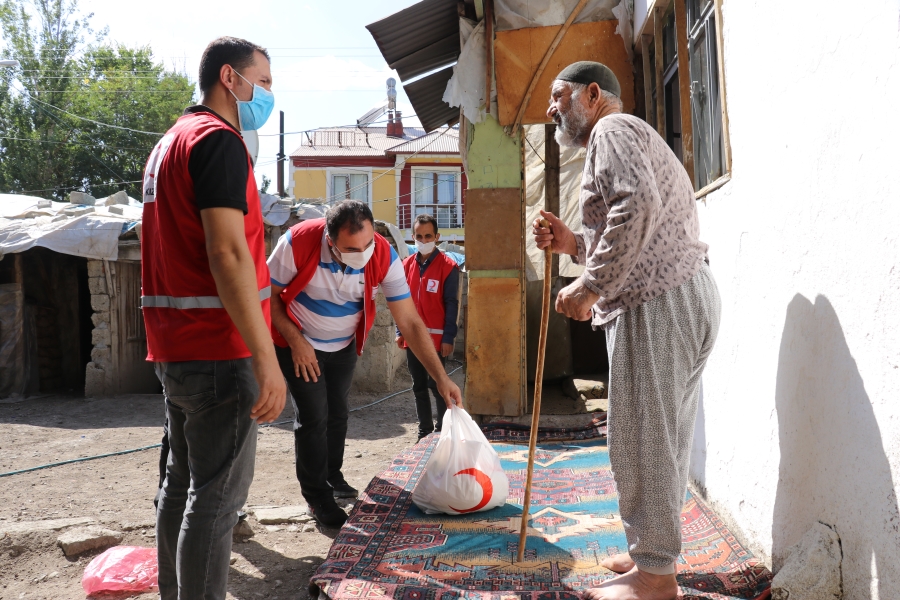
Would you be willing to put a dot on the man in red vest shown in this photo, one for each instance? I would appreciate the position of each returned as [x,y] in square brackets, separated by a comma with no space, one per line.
[325,275]
[205,299]
[433,279]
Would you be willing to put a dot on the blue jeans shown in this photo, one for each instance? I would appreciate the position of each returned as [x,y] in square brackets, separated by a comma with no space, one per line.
[320,420]
[212,450]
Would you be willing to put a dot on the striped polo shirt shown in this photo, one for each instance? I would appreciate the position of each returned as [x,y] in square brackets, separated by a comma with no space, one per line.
[330,306]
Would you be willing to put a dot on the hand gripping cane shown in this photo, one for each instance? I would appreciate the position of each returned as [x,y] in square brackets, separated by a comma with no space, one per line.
[538,386]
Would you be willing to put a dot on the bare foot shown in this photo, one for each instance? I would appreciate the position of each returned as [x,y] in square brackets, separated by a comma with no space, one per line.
[636,585]
[618,563]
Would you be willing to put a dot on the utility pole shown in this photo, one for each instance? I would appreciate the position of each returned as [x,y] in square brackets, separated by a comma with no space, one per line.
[281,155]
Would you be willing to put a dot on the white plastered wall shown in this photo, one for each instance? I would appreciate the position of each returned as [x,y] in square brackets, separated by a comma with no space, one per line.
[800,416]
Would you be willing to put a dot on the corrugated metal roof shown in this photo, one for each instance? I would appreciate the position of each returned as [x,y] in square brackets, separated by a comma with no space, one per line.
[441,141]
[352,141]
[426,96]
[420,38]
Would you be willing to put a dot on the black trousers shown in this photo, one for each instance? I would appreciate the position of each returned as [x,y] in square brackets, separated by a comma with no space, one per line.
[320,420]
[422,382]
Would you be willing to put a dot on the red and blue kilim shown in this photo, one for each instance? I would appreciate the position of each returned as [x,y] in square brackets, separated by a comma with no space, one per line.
[390,549]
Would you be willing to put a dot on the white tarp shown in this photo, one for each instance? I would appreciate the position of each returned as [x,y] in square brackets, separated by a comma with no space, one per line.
[466,87]
[521,14]
[88,231]
[275,211]
[571,164]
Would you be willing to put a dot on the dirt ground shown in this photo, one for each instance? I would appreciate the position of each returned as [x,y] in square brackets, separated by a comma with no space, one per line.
[118,491]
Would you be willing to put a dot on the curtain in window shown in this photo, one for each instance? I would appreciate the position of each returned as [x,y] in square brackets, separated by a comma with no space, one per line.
[351,187]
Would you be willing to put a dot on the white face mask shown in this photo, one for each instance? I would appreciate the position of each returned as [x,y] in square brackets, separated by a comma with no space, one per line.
[424,248]
[355,260]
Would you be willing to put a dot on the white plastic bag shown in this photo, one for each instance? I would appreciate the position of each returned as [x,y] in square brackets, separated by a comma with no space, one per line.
[463,474]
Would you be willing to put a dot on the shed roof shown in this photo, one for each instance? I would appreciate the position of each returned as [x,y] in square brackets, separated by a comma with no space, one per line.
[442,141]
[418,40]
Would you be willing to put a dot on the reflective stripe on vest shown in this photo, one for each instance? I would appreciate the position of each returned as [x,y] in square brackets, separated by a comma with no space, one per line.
[436,331]
[189,302]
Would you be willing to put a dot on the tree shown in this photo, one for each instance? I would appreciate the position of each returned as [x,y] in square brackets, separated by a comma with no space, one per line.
[266,182]
[70,83]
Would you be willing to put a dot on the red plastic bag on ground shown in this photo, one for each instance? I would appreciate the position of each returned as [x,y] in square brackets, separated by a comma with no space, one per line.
[122,568]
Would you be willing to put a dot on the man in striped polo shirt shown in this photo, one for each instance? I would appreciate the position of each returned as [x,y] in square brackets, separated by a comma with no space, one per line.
[325,275]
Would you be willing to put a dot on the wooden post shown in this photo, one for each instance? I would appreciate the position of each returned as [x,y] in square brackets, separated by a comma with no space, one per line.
[538,387]
[660,59]
[648,88]
[488,52]
[684,88]
[551,180]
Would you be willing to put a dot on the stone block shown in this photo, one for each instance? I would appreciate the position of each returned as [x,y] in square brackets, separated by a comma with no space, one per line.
[242,531]
[119,197]
[101,357]
[99,318]
[813,568]
[95,268]
[78,211]
[100,302]
[94,381]
[117,210]
[78,541]
[100,337]
[282,514]
[82,198]
[384,318]
[39,526]
[97,285]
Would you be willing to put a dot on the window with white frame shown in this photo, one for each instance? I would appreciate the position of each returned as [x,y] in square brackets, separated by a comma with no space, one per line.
[350,186]
[706,97]
[437,192]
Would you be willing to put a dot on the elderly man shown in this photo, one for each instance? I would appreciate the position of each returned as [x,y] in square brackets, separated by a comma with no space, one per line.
[647,283]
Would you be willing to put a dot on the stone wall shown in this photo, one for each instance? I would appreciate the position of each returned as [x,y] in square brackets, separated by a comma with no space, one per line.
[381,358]
[100,371]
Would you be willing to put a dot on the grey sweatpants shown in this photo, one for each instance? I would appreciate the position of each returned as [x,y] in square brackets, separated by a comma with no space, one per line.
[657,352]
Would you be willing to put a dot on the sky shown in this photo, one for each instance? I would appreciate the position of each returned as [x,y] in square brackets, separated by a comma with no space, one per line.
[326,68]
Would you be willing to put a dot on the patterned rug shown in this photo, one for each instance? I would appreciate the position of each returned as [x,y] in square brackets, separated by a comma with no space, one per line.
[390,549]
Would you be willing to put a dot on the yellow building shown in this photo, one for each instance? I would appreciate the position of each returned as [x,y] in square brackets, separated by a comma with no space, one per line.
[400,172]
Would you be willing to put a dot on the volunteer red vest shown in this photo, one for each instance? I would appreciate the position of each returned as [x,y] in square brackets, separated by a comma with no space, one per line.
[428,292]
[306,242]
[183,314]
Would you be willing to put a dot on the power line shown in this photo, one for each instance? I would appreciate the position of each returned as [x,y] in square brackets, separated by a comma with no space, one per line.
[83,118]
[6,137]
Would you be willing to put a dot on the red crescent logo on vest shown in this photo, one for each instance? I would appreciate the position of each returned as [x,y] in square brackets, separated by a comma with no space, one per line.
[487,489]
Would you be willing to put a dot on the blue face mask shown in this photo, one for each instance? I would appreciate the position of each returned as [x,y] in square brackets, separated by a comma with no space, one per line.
[253,113]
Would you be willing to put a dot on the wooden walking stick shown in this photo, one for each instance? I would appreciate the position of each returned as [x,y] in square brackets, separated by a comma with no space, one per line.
[538,386]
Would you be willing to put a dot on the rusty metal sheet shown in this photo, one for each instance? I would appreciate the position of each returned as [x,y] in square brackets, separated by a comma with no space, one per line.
[517,54]
[494,347]
[494,238]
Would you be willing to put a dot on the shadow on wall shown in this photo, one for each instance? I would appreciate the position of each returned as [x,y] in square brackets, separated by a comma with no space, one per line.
[833,465]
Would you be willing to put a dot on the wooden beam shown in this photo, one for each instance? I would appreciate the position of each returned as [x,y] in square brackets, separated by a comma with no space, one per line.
[488,52]
[540,70]
[551,182]
[720,54]
[684,88]
[648,90]
[660,59]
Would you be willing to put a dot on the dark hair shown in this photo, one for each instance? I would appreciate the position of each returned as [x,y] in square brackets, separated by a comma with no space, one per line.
[423,218]
[223,51]
[351,214]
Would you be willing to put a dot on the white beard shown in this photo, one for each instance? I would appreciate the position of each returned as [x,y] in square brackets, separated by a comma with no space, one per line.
[574,128]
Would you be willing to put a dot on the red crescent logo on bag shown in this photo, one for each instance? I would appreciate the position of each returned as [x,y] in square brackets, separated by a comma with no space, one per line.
[487,489]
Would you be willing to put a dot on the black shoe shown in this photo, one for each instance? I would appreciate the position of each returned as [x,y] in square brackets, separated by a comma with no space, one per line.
[328,514]
[342,489]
